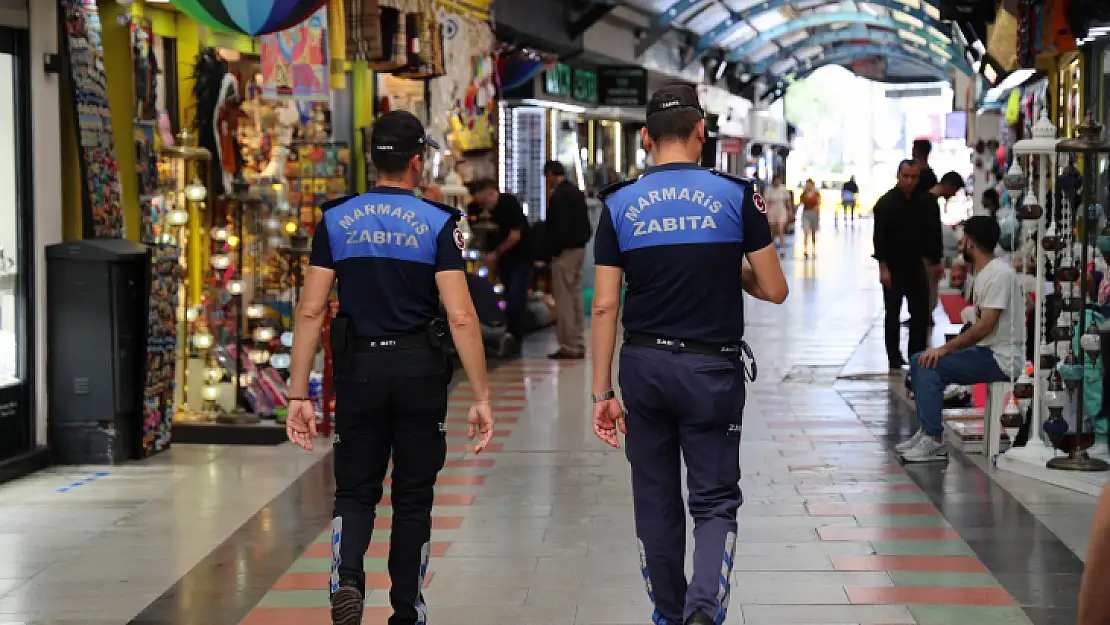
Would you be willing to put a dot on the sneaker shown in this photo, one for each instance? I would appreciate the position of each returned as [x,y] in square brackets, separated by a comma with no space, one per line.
[346,606]
[699,618]
[905,446]
[927,450]
[565,355]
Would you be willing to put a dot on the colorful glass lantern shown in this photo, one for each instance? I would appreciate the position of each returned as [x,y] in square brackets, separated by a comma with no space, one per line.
[249,17]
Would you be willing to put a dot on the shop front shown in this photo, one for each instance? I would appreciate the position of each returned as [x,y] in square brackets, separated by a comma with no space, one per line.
[769,144]
[214,150]
[17,374]
[732,129]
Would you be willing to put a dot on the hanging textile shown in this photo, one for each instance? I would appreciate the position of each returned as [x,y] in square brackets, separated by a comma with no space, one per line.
[423,42]
[250,17]
[364,30]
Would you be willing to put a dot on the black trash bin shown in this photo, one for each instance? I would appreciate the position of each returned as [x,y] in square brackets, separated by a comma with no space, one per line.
[96,344]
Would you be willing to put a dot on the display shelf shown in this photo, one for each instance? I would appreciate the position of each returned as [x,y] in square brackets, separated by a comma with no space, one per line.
[1031,462]
[102,199]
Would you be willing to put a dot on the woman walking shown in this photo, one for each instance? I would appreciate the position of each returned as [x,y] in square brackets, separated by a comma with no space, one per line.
[811,217]
[778,212]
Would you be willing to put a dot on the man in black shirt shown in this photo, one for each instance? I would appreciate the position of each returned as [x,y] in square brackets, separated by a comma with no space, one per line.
[927,178]
[568,231]
[511,253]
[899,250]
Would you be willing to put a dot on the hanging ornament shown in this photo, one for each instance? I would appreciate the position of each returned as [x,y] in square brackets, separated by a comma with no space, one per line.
[1030,209]
[1071,374]
[1052,241]
[1067,272]
[249,17]
[1014,180]
[1011,415]
[1023,388]
[220,261]
[1048,358]
[263,334]
[1091,342]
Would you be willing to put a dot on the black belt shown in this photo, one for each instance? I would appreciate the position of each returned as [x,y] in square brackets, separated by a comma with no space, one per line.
[393,343]
[737,351]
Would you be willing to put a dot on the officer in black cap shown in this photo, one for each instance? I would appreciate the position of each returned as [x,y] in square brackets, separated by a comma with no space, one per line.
[688,241]
[394,257]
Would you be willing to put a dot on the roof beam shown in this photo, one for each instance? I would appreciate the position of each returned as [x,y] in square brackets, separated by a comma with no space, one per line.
[668,15]
[583,19]
[810,20]
[844,54]
[832,37]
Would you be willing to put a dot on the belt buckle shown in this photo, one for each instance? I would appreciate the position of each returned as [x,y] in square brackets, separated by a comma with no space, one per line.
[746,358]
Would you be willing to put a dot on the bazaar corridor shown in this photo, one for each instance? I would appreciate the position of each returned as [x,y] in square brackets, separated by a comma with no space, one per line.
[539,530]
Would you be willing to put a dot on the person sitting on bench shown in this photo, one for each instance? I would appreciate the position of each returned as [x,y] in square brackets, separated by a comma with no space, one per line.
[991,349]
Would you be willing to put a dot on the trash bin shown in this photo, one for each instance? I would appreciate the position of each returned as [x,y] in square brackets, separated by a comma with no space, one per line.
[96,346]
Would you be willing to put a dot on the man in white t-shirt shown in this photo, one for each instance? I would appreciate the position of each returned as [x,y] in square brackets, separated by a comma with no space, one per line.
[992,349]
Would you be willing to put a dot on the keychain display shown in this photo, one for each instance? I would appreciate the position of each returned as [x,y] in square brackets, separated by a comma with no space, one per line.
[103,206]
[316,173]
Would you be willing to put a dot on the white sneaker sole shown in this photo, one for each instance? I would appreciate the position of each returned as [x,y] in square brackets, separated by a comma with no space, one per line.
[923,459]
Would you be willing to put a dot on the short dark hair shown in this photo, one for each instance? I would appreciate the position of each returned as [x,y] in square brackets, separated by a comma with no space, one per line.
[482,184]
[923,147]
[554,168]
[990,198]
[393,162]
[953,179]
[906,163]
[984,232]
[676,124]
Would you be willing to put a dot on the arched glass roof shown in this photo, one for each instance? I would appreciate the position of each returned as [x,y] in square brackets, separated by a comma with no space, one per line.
[790,38]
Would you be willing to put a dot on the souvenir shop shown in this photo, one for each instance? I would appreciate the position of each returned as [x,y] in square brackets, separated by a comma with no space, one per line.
[1049,167]
[239,133]
[727,116]
[588,118]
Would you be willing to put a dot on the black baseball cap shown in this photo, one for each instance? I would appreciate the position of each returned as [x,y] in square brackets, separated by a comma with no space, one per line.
[678,95]
[400,132]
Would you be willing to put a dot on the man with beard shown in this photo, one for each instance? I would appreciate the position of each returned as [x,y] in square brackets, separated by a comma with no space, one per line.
[992,349]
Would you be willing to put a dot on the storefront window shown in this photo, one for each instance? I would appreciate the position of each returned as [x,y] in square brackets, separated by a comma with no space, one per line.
[11,367]
[568,136]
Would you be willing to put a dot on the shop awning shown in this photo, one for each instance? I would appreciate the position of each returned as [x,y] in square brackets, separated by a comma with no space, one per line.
[789,38]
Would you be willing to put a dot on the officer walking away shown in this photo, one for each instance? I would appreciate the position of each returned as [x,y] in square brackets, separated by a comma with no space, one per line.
[680,236]
[569,230]
[899,248]
[394,256]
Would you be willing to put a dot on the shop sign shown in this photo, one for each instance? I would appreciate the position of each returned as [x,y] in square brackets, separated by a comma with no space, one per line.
[732,145]
[566,82]
[622,86]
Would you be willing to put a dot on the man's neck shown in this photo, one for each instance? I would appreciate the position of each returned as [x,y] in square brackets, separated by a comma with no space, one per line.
[979,261]
[672,152]
[908,194]
[397,183]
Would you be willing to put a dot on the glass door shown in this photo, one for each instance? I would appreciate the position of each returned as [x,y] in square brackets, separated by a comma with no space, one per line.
[17,434]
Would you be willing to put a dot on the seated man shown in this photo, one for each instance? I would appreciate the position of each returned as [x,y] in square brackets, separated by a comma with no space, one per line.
[991,349]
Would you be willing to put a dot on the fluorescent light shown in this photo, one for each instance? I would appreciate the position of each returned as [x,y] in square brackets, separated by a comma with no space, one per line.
[720,70]
[1015,79]
[570,108]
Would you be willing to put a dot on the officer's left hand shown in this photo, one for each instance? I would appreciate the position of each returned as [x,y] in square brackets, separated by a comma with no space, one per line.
[300,425]
[608,418]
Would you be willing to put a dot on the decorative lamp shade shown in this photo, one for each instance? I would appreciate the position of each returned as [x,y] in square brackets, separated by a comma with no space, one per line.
[250,17]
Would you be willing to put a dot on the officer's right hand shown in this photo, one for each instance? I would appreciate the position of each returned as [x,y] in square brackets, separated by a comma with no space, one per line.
[300,423]
[480,419]
[608,418]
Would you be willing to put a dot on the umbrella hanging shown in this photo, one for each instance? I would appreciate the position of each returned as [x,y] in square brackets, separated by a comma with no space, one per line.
[250,17]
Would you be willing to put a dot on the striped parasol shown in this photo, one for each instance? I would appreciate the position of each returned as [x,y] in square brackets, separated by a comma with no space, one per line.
[251,17]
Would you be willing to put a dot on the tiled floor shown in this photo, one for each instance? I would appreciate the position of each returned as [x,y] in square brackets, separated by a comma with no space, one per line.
[539,531]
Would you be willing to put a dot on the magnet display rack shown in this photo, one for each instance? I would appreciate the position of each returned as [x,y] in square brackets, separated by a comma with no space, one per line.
[84,59]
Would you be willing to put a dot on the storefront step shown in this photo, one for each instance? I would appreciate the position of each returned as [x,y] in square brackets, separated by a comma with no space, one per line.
[264,433]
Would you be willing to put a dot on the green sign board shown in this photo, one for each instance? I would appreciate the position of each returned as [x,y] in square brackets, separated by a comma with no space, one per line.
[566,82]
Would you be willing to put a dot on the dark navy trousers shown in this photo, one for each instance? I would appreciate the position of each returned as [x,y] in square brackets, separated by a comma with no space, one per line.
[390,406]
[687,406]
